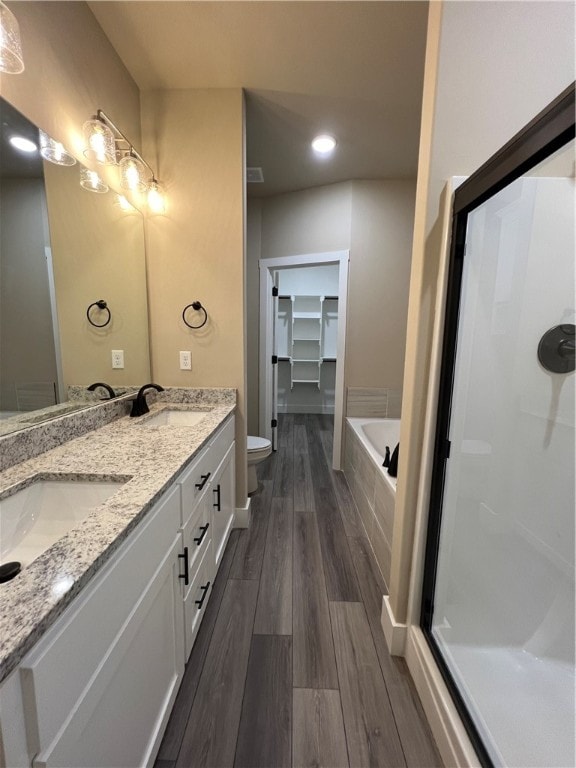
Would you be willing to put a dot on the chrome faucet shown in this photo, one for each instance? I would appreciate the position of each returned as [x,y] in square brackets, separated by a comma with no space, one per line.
[139,405]
[107,387]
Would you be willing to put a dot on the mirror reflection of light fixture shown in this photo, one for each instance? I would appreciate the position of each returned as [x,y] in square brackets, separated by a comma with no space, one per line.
[91,181]
[11,60]
[23,145]
[100,141]
[54,151]
[132,172]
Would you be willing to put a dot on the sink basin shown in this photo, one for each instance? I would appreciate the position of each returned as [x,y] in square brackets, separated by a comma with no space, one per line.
[35,517]
[175,418]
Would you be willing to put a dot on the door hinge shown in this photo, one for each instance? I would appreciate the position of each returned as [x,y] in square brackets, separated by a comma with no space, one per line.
[274,423]
[447,446]
[274,359]
[274,291]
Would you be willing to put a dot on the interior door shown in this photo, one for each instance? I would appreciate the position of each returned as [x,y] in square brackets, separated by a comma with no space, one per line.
[274,360]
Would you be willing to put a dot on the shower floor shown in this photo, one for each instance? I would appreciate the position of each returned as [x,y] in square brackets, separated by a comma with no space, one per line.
[526,703]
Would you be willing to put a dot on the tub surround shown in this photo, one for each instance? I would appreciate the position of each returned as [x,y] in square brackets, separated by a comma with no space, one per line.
[374,491]
[149,458]
[379,402]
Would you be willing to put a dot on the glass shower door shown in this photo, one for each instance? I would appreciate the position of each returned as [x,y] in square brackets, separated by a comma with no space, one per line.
[498,605]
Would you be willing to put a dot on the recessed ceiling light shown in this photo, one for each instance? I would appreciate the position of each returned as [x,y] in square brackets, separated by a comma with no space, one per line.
[324,144]
[24,145]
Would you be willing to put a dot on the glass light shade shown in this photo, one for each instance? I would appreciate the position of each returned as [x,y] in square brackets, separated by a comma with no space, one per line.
[11,60]
[132,173]
[54,151]
[156,199]
[91,181]
[100,142]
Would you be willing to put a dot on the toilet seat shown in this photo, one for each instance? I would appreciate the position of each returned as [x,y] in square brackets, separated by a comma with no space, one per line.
[258,444]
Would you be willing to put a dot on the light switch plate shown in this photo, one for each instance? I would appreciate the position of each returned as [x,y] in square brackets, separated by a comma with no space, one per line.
[185,361]
[117,358]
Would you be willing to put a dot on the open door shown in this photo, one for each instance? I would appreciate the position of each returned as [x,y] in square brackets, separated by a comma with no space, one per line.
[275,361]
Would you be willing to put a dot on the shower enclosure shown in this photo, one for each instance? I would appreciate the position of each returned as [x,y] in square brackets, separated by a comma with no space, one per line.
[498,593]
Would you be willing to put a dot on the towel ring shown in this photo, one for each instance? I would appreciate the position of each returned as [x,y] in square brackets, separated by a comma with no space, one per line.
[101,304]
[196,305]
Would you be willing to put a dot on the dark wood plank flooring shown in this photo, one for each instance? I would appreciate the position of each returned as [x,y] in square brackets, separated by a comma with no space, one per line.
[290,666]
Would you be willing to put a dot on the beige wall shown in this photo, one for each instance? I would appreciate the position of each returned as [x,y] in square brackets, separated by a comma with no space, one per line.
[253,250]
[98,253]
[371,219]
[196,251]
[491,66]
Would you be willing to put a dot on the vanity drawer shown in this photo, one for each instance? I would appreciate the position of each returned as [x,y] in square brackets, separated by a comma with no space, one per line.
[194,482]
[197,597]
[197,534]
[221,442]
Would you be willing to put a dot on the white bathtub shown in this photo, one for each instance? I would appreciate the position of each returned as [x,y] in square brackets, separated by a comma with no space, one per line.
[375,435]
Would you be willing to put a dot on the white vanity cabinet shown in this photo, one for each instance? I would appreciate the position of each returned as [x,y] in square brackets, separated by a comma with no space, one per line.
[99,687]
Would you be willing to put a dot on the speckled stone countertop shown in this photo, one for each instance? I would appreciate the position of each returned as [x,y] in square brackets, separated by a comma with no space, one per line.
[148,459]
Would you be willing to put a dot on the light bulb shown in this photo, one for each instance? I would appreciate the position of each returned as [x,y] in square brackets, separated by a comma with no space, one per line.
[156,201]
[101,144]
[132,172]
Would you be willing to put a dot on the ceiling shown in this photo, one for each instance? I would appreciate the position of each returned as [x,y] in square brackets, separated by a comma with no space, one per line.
[353,69]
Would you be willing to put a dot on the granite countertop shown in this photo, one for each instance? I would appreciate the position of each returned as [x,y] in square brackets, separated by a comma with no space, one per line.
[148,459]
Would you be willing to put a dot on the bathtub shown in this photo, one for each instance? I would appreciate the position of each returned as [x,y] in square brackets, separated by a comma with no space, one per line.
[373,489]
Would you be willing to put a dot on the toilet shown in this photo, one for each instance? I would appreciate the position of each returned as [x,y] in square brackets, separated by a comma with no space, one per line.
[259,448]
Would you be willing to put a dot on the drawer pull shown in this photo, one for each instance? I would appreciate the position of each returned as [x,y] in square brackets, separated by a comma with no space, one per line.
[204,529]
[204,480]
[200,602]
[185,575]
[217,492]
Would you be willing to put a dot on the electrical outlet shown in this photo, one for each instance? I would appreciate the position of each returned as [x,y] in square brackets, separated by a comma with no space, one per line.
[117,358]
[185,361]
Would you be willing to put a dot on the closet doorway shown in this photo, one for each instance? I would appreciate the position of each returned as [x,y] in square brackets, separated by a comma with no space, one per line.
[302,339]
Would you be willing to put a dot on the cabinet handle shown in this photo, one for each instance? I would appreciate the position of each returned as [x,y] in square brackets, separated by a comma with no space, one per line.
[204,480]
[217,492]
[200,602]
[185,575]
[200,538]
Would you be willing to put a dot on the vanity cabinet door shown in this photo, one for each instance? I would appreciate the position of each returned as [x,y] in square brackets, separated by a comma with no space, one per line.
[223,503]
[197,596]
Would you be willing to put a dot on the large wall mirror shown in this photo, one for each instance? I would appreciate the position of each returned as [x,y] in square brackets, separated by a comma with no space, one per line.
[63,248]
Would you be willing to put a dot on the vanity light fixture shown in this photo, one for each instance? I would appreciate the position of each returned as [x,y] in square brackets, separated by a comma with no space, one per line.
[324,144]
[91,181]
[54,151]
[23,145]
[11,60]
[133,168]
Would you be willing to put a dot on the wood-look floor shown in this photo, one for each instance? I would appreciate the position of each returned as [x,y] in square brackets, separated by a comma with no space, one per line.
[290,666]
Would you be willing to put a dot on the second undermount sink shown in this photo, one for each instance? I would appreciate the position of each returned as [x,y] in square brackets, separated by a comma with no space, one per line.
[36,516]
[175,418]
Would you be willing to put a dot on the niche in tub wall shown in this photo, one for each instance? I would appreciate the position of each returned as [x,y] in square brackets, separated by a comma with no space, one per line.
[380,402]
[374,498]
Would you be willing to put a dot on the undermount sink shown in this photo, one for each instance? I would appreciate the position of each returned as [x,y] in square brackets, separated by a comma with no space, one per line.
[175,418]
[35,517]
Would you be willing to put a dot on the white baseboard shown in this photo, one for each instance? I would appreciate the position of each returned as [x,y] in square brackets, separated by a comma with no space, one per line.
[306,409]
[394,632]
[242,515]
[449,733]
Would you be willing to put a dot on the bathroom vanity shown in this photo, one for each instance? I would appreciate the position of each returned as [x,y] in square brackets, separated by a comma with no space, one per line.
[96,631]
